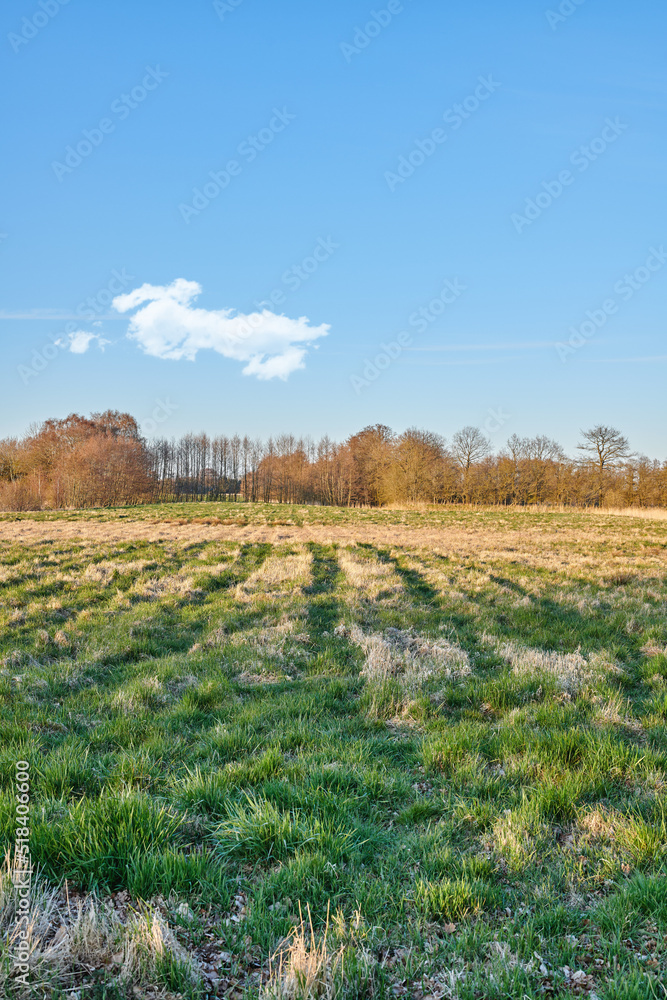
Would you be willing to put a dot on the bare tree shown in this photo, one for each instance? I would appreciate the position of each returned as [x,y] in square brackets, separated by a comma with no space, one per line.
[102,459]
[416,472]
[469,446]
[604,447]
[371,451]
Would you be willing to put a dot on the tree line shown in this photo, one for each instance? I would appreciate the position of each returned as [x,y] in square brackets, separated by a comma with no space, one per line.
[103,461]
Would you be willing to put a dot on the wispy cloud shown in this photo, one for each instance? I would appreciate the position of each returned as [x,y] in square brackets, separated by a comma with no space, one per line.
[56,315]
[452,364]
[168,325]
[619,361]
[533,345]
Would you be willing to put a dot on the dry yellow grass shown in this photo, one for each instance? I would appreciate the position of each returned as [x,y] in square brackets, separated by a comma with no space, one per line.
[514,534]
[65,935]
[410,657]
[277,576]
[369,576]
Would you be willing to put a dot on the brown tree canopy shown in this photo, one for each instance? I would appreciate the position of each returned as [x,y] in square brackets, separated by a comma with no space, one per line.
[102,460]
[77,461]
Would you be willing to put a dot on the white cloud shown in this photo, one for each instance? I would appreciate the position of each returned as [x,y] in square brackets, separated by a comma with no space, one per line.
[51,314]
[79,341]
[169,326]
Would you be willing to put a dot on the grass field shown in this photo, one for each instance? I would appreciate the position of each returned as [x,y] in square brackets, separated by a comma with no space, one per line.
[298,752]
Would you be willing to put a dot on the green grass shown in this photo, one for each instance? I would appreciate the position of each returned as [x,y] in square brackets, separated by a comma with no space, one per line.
[480,789]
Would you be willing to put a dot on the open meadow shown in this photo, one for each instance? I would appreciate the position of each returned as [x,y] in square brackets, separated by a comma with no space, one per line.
[300,752]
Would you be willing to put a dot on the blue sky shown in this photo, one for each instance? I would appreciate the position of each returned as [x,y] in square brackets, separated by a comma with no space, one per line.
[498,167]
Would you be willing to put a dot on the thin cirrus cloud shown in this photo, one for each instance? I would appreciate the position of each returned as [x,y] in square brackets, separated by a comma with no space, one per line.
[168,325]
[532,345]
